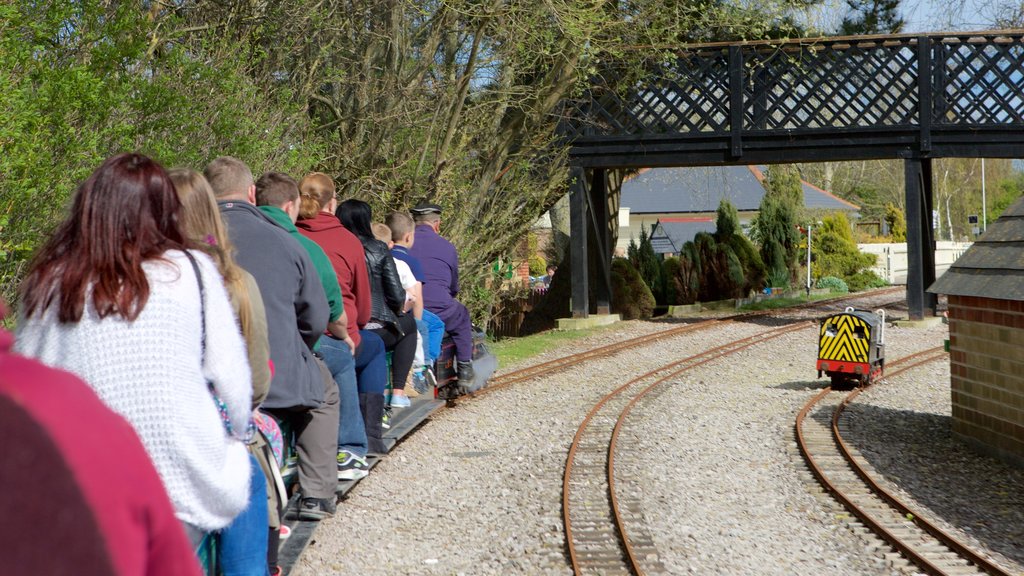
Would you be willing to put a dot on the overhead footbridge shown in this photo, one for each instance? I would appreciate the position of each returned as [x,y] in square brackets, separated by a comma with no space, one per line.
[908,97]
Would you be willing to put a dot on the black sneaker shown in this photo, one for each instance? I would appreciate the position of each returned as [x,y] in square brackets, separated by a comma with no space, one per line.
[316,508]
[351,467]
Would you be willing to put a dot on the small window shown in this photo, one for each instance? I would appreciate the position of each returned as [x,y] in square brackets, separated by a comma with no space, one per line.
[860,333]
[831,330]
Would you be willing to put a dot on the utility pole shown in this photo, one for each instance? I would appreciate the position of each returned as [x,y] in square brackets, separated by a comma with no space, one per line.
[984,205]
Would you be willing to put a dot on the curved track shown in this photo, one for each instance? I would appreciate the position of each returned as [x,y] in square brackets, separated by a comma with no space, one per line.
[557,364]
[832,462]
[606,534]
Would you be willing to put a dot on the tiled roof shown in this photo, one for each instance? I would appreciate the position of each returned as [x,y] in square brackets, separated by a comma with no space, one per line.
[993,267]
[697,190]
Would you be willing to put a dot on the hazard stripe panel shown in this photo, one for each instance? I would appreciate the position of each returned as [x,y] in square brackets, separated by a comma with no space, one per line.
[839,339]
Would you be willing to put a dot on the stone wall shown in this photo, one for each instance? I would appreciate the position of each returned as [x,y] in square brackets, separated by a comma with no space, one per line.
[987,374]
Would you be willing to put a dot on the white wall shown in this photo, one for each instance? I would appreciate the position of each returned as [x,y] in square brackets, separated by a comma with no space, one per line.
[892,259]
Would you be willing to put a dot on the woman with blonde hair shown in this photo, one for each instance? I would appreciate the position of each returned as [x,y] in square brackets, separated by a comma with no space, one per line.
[244,544]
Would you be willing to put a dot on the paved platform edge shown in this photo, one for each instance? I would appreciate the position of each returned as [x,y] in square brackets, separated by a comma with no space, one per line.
[591,321]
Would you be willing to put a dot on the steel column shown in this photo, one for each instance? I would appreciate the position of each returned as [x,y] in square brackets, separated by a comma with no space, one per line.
[578,242]
[917,222]
[931,301]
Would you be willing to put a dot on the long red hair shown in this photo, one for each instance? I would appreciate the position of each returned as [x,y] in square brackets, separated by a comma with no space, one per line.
[126,212]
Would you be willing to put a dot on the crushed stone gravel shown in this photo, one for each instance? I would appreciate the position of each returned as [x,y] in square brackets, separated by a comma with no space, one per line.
[477,490]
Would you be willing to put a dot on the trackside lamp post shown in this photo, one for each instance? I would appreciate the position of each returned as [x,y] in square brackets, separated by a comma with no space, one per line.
[809,260]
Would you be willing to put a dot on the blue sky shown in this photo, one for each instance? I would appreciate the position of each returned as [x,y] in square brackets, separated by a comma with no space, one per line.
[942,16]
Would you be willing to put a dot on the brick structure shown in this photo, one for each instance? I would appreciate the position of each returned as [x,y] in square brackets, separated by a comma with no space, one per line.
[986,339]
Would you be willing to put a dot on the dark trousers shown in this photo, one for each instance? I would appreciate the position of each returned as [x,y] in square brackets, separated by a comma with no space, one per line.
[402,348]
[457,323]
[316,439]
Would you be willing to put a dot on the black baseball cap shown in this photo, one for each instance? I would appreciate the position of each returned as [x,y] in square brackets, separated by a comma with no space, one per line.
[426,208]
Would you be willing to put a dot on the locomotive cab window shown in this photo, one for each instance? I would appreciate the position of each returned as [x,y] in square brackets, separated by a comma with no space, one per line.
[831,330]
[860,333]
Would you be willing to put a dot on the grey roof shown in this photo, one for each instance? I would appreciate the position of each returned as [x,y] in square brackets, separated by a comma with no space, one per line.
[993,267]
[700,190]
[668,237]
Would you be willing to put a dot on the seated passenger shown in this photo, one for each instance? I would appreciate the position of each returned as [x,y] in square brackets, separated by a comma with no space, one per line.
[441,285]
[243,547]
[114,297]
[318,223]
[76,481]
[429,326]
[297,315]
[387,320]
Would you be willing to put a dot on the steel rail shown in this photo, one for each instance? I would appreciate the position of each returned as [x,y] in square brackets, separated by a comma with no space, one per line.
[690,362]
[557,364]
[908,363]
[886,534]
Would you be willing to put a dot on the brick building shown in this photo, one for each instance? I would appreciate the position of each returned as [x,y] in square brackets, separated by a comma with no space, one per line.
[986,338]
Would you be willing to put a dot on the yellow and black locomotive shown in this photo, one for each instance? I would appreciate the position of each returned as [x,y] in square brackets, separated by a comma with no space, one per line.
[851,346]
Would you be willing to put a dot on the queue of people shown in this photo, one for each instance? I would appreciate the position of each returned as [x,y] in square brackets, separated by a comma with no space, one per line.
[209,311]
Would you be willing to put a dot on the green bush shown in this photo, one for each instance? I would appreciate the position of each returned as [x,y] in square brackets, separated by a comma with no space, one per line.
[833,284]
[538,265]
[864,280]
[671,269]
[631,298]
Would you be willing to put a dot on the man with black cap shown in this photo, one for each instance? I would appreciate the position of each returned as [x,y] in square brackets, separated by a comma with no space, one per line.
[441,285]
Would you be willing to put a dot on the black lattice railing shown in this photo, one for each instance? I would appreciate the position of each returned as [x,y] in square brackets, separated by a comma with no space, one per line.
[920,82]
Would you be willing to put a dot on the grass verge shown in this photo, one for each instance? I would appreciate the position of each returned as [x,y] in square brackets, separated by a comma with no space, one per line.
[772,303]
[512,350]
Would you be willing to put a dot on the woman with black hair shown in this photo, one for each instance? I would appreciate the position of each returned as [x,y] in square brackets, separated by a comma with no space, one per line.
[397,329]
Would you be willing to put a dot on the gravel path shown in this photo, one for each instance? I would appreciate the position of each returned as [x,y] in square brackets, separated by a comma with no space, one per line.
[478,489]
[903,429]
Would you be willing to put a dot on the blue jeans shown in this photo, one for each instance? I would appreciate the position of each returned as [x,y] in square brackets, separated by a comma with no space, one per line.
[243,544]
[338,358]
[371,364]
[431,328]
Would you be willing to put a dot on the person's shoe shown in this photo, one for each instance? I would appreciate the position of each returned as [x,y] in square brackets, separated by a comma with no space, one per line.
[351,467]
[400,402]
[285,532]
[316,508]
[423,380]
[385,421]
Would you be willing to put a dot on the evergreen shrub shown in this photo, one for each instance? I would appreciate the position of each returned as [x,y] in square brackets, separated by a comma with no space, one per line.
[833,284]
[631,298]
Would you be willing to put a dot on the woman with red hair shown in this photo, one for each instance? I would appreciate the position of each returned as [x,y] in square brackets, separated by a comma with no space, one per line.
[114,297]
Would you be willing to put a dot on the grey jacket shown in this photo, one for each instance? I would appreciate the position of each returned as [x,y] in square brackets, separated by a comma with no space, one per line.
[297,311]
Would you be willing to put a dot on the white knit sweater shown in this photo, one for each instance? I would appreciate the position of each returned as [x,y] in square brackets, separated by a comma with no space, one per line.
[149,372]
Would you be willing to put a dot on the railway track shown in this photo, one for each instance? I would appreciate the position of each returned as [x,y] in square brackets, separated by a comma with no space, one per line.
[604,529]
[565,362]
[840,471]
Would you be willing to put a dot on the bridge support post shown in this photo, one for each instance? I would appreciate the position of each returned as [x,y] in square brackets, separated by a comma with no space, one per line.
[578,242]
[920,244]
[600,251]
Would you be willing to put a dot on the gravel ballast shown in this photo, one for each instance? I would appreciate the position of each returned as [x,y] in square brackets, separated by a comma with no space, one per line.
[477,490]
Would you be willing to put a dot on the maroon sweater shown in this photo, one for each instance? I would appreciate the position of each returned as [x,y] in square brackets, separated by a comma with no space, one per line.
[78,494]
[346,255]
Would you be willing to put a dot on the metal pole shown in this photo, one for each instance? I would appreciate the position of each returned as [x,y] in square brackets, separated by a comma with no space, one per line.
[984,205]
[809,260]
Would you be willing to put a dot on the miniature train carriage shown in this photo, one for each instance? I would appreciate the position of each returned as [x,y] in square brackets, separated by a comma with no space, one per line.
[851,346]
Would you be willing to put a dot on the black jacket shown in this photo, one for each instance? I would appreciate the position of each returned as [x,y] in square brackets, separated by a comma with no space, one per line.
[385,284]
